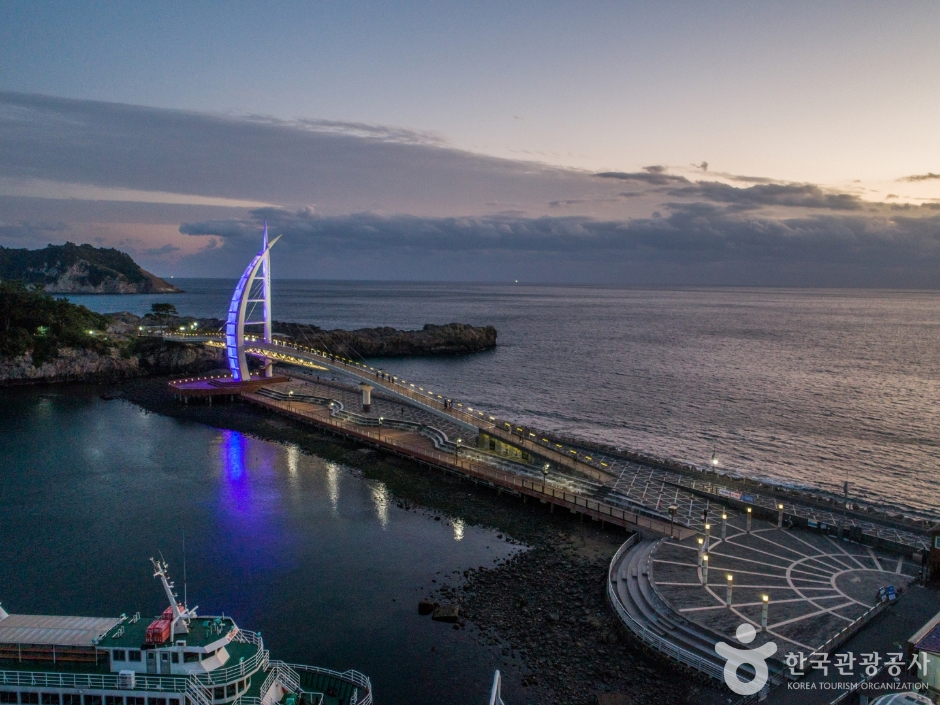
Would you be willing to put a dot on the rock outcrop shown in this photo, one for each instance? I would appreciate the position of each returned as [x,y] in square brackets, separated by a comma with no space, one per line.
[450,339]
[88,365]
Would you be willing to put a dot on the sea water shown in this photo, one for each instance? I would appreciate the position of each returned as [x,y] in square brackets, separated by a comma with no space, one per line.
[807,387]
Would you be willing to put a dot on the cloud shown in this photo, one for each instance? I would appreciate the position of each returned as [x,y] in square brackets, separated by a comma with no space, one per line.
[653,175]
[695,244]
[166,155]
[26,233]
[167,249]
[920,177]
[793,195]
[378,133]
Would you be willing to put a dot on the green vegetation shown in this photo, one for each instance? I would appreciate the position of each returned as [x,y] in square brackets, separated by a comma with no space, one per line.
[33,321]
[163,313]
[80,268]
[36,266]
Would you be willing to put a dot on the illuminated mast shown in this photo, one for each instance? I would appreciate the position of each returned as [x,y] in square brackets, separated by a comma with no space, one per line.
[258,269]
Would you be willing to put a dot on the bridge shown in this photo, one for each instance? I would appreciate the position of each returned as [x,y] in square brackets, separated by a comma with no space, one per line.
[678,611]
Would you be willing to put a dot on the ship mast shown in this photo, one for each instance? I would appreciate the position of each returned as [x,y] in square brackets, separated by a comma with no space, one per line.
[181,613]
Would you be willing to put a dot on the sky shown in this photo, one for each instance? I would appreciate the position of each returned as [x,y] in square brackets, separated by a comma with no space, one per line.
[660,143]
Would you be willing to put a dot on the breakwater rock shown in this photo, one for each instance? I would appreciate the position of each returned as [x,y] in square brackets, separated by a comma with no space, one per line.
[450,339]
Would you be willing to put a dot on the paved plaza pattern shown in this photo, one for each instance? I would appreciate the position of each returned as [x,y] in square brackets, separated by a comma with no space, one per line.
[816,584]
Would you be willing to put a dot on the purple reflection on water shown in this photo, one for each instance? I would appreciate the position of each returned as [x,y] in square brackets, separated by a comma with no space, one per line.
[250,499]
[232,451]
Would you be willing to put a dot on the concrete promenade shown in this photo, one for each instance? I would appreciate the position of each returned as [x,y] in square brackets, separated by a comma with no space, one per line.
[311,403]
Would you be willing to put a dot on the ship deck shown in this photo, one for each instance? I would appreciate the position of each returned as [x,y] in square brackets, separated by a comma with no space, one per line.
[203,631]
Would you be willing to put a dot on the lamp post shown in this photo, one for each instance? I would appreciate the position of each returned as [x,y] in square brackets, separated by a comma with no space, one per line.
[290,399]
[765,601]
[701,549]
[708,535]
[705,569]
[730,581]
[780,515]
[457,450]
[724,525]
[672,518]
[749,520]
[845,507]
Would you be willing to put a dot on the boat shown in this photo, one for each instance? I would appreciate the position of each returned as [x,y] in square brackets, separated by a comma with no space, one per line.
[177,658]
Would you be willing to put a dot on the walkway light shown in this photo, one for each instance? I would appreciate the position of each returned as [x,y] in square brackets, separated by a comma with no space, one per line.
[705,569]
[672,518]
[748,520]
[708,535]
[724,525]
[765,601]
[730,581]
[779,515]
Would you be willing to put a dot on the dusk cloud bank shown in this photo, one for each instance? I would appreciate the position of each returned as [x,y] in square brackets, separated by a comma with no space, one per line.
[181,190]
[692,245]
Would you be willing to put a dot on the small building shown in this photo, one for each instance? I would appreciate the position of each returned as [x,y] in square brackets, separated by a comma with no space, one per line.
[925,643]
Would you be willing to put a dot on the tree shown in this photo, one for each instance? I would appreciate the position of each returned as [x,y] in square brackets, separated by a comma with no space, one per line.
[163,312]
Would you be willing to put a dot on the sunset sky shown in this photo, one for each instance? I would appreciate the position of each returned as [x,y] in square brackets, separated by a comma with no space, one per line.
[631,143]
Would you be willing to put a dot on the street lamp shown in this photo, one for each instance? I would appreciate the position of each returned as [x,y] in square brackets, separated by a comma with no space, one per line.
[724,525]
[290,399]
[749,520]
[779,515]
[730,581]
[708,535]
[705,569]
[545,469]
[672,518]
[457,449]
[765,602]
[701,549]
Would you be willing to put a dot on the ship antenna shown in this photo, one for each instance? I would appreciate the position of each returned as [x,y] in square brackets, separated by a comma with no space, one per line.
[185,600]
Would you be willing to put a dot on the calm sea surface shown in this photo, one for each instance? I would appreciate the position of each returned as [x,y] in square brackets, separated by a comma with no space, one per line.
[316,558]
[809,387]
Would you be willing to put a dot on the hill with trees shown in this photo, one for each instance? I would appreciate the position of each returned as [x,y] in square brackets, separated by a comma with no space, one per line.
[80,269]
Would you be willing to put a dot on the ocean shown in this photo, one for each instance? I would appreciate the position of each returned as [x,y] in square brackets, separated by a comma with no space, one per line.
[808,388]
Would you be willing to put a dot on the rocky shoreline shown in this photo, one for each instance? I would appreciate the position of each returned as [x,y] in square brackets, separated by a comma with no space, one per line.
[122,353]
[543,612]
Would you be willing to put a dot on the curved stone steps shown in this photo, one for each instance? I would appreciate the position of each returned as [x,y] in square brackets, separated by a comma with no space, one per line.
[637,596]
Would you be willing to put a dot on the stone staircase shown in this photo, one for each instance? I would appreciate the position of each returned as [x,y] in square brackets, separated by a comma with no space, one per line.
[630,578]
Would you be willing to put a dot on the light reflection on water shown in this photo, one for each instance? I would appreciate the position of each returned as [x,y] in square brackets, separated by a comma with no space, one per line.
[332,482]
[380,498]
[330,577]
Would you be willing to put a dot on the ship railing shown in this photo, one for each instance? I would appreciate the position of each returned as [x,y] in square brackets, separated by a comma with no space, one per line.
[654,640]
[285,675]
[354,677]
[222,676]
[248,637]
[197,693]
[91,681]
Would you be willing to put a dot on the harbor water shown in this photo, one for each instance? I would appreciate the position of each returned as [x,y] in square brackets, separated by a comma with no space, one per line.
[319,560]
